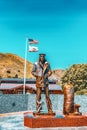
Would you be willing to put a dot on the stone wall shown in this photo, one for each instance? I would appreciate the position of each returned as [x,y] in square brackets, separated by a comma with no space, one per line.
[16,103]
[13,103]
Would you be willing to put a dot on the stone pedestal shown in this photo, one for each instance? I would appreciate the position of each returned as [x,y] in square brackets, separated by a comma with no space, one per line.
[44,120]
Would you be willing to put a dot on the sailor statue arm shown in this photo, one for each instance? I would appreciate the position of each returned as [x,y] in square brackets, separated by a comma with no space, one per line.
[34,70]
[49,72]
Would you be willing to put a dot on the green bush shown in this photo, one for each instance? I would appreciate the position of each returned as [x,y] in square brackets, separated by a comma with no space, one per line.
[77,76]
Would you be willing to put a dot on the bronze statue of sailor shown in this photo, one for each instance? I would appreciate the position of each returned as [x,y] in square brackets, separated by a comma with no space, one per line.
[41,70]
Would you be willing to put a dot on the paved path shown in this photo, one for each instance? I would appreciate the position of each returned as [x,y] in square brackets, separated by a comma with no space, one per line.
[64,128]
[57,128]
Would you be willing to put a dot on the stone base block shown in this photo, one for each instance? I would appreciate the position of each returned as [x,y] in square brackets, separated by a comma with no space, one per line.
[41,121]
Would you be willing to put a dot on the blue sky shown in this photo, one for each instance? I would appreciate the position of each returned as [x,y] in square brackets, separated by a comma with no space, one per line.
[60,26]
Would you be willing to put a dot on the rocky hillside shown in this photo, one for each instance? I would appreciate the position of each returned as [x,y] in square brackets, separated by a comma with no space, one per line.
[12,66]
[57,75]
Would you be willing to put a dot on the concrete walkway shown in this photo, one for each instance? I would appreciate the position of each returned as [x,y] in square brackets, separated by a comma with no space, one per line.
[57,128]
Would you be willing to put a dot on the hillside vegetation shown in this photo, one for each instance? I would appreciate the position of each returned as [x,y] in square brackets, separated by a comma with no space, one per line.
[76,75]
[12,66]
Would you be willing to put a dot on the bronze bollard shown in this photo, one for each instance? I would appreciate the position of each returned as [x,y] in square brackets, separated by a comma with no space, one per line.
[68,106]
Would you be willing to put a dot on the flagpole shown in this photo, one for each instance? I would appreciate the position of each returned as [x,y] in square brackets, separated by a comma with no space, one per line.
[25,66]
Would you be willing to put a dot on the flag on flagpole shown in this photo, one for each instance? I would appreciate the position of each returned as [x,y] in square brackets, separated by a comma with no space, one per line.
[33,49]
[32,41]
